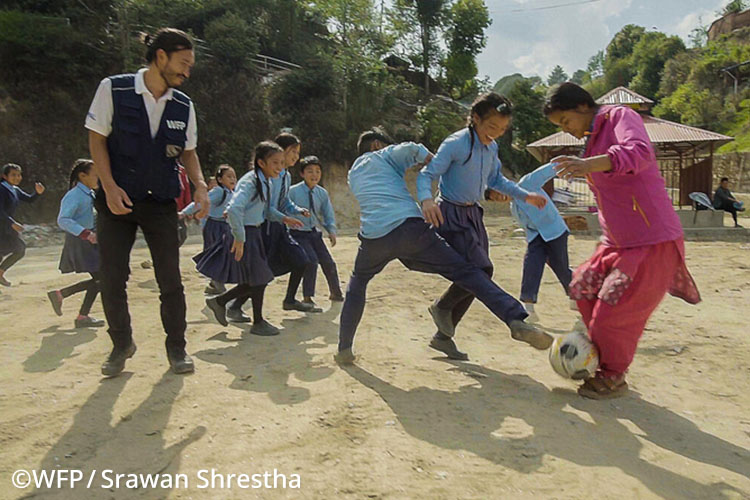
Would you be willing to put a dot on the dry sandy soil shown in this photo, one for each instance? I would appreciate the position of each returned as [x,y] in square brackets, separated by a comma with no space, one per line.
[403,423]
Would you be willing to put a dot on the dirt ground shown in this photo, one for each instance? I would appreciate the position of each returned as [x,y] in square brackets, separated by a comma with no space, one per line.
[404,423]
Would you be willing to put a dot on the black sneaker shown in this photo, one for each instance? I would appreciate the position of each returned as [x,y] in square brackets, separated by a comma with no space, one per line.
[237,316]
[297,306]
[116,360]
[447,346]
[264,329]
[89,322]
[180,362]
[56,299]
[443,319]
[3,281]
[220,312]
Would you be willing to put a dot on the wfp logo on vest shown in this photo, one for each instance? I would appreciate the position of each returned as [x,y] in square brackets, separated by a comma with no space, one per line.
[176,125]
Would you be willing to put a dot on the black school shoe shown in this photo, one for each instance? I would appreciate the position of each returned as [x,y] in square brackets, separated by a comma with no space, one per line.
[447,346]
[345,357]
[443,319]
[237,316]
[297,306]
[56,299]
[220,312]
[180,361]
[89,322]
[264,329]
[116,360]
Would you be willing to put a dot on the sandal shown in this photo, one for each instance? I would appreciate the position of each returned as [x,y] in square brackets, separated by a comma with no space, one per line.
[603,388]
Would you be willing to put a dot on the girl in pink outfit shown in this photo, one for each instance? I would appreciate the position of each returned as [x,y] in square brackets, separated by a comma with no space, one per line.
[642,253]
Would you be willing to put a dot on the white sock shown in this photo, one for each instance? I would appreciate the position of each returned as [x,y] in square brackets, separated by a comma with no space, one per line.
[529,307]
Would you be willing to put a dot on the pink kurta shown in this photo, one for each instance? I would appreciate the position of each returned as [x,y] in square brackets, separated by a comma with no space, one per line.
[642,254]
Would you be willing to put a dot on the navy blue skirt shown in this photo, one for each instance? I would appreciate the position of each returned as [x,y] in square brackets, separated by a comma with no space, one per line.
[284,252]
[464,230]
[79,256]
[10,242]
[218,263]
[213,231]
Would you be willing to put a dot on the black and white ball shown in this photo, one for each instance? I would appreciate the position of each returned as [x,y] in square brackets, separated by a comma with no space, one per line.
[574,356]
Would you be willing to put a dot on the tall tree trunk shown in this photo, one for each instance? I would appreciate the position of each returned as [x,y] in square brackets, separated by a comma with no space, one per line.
[426,58]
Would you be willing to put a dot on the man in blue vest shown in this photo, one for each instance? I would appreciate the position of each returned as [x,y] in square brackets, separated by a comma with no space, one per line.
[140,126]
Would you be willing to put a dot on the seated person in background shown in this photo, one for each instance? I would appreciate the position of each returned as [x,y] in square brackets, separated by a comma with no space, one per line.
[723,200]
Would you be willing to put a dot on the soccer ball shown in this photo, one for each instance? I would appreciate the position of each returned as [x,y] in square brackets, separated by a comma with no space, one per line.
[574,356]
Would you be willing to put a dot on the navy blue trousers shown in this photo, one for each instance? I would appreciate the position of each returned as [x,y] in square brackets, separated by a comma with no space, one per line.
[419,248]
[539,253]
[317,252]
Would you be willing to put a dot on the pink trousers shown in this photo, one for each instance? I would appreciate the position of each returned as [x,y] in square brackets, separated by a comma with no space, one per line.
[617,290]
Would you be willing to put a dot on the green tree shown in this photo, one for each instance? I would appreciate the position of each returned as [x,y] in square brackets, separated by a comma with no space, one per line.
[232,39]
[699,35]
[438,119]
[529,124]
[466,38]
[595,67]
[579,76]
[618,62]
[734,7]
[676,72]
[425,18]
[649,56]
[557,76]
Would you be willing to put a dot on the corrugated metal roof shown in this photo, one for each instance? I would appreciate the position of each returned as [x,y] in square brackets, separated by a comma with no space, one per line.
[659,131]
[663,131]
[622,95]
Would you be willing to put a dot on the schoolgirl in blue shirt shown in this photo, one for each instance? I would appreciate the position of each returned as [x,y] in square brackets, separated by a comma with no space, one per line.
[310,195]
[12,247]
[392,228]
[241,257]
[467,166]
[215,226]
[546,237]
[80,253]
[285,254]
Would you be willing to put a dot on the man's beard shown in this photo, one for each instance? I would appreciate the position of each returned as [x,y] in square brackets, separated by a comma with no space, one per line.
[173,79]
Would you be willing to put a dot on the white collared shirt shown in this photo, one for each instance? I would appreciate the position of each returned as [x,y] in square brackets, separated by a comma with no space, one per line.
[99,117]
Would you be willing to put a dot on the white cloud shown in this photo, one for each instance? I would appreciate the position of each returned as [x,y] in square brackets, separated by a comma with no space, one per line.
[694,19]
[534,41]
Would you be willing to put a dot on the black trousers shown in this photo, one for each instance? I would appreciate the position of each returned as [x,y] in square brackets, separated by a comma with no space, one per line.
[728,206]
[116,235]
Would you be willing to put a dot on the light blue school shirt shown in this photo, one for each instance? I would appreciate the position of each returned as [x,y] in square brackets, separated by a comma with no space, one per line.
[77,210]
[320,207]
[281,205]
[377,181]
[546,222]
[463,182]
[218,197]
[248,206]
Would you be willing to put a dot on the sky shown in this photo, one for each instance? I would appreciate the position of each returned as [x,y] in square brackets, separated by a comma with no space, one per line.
[529,38]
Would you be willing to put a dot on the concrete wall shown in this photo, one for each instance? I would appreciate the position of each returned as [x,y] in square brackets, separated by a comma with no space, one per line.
[736,166]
